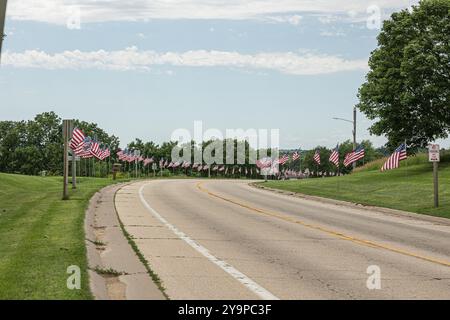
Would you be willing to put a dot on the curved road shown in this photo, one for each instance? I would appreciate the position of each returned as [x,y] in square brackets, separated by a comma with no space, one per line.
[223,239]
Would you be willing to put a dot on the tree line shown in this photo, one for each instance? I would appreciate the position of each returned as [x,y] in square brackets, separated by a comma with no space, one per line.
[33,146]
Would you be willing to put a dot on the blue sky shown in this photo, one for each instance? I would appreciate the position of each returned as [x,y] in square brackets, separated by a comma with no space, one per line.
[145,68]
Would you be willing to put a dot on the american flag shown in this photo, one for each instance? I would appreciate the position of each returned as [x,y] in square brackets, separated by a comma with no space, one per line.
[393,162]
[131,157]
[120,155]
[284,159]
[264,163]
[103,154]
[334,157]
[77,139]
[147,161]
[95,149]
[295,156]
[84,149]
[161,163]
[354,156]
[316,157]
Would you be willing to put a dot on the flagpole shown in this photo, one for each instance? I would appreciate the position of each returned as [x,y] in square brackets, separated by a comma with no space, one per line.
[300,160]
[406,171]
[338,178]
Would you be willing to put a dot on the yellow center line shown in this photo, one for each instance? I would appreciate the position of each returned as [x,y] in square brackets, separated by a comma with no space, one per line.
[337,234]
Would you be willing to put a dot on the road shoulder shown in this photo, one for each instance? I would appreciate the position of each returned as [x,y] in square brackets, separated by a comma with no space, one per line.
[115,270]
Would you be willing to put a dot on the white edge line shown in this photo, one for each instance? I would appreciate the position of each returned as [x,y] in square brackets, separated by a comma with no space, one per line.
[239,276]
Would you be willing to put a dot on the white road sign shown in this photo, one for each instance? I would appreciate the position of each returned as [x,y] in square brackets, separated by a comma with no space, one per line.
[433,153]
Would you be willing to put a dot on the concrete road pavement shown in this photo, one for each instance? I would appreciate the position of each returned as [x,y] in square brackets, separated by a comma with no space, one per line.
[223,239]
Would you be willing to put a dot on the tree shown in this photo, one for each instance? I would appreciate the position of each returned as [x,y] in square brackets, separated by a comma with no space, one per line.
[29,147]
[324,166]
[408,85]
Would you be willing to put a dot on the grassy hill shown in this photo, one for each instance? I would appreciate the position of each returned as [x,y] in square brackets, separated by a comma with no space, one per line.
[41,235]
[408,188]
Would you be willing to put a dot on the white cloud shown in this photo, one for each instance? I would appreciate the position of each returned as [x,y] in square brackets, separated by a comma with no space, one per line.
[332,34]
[131,59]
[59,11]
[294,19]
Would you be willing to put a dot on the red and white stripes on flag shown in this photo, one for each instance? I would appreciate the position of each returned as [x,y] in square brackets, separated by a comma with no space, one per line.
[295,156]
[393,162]
[148,161]
[284,159]
[354,156]
[103,154]
[95,149]
[264,163]
[77,139]
[316,157]
[334,157]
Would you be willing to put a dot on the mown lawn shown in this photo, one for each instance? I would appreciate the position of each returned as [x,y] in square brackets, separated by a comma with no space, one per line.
[41,235]
[408,188]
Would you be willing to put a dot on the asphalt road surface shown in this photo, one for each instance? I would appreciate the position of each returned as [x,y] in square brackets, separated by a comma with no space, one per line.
[223,239]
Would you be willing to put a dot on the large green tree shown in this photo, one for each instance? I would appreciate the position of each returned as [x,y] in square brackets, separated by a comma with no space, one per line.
[408,87]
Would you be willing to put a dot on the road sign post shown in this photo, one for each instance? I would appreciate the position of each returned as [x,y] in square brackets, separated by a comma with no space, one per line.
[67,124]
[435,158]
[137,153]
[74,159]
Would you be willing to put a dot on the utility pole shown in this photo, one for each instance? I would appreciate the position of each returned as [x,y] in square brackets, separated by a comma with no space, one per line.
[354,134]
[2,23]
[354,129]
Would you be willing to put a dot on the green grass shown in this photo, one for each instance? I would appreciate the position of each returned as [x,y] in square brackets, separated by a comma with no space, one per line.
[41,235]
[408,188]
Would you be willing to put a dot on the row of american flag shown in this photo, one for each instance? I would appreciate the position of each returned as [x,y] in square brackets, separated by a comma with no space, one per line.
[86,147]
[357,154]
[129,156]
